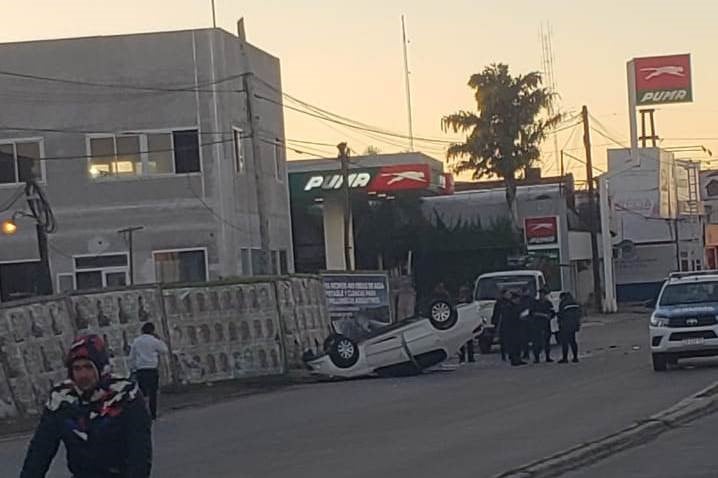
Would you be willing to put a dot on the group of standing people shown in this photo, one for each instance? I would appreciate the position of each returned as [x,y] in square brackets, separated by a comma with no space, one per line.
[523,324]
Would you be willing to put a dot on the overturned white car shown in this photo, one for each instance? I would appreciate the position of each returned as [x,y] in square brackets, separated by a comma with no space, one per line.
[406,347]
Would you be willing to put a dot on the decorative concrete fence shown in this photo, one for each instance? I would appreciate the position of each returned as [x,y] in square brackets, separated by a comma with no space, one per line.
[215,331]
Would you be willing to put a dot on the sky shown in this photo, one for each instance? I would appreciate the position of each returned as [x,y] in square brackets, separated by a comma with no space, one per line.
[346,57]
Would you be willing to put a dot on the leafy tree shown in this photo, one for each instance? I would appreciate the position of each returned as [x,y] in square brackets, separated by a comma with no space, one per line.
[504,135]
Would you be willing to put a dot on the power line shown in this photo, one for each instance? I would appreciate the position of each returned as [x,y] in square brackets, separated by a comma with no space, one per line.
[125,86]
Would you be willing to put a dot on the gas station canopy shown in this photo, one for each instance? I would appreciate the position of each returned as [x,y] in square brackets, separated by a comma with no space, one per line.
[382,174]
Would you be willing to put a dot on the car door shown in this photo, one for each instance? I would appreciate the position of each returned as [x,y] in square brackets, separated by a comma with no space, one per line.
[421,337]
[385,349]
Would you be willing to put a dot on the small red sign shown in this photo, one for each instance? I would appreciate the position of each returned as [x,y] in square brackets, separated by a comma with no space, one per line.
[401,177]
[541,231]
[447,183]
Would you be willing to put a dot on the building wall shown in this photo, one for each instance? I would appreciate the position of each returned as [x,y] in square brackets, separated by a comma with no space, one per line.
[215,209]
[647,198]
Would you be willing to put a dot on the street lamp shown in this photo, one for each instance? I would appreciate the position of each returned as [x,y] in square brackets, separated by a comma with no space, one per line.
[8,227]
[41,214]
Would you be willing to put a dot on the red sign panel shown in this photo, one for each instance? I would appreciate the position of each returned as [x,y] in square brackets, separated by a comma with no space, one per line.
[401,177]
[541,231]
[663,79]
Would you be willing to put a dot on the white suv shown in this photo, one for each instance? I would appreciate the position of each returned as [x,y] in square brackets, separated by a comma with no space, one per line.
[685,320]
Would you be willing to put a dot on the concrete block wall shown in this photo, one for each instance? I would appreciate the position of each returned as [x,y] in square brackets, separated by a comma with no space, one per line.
[34,338]
[215,332]
[224,332]
[304,317]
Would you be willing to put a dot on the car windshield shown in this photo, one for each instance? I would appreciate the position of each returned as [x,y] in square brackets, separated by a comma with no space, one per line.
[692,293]
[489,288]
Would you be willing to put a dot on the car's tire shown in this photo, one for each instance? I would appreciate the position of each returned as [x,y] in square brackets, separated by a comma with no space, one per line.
[485,345]
[672,360]
[442,315]
[660,363]
[343,351]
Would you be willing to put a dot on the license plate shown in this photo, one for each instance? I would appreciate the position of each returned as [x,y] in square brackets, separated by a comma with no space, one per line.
[695,341]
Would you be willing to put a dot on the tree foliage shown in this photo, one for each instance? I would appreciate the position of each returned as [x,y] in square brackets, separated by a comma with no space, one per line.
[504,135]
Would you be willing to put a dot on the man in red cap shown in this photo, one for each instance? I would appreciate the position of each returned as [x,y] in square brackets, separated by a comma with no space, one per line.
[101,419]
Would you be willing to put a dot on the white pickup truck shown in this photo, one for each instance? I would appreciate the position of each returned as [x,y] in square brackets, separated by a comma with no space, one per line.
[488,287]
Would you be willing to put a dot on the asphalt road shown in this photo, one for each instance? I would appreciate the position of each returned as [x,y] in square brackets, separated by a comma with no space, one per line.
[475,421]
[689,452]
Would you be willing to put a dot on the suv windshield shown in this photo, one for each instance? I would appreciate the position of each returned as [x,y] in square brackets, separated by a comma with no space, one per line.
[490,287]
[692,293]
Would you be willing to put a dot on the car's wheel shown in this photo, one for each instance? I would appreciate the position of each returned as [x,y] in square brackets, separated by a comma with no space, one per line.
[343,351]
[485,344]
[442,315]
[660,364]
[672,360]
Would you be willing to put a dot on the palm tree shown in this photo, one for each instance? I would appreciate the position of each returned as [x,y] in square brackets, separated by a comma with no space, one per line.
[504,135]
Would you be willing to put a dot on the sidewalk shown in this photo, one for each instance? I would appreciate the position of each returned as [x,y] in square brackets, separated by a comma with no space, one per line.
[194,395]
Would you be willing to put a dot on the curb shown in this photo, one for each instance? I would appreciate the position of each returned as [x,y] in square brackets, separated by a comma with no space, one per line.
[700,404]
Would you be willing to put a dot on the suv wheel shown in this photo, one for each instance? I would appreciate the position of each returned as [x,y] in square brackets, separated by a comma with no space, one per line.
[660,363]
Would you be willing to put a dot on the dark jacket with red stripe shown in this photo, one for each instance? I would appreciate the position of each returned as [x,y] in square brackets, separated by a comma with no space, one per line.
[107,435]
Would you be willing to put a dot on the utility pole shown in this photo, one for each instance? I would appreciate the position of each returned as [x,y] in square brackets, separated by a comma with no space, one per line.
[248,83]
[408,84]
[592,207]
[214,16]
[344,158]
[130,233]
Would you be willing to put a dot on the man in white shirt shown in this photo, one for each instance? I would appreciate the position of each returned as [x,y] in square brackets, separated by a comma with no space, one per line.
[145,360]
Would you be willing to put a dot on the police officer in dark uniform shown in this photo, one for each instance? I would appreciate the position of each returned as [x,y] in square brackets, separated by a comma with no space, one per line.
[527,304]
[511,327]
[569,322]
[502,302]
[541,314]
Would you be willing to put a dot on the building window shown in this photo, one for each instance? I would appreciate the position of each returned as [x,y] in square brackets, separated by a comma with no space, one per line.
[238,150]
[20,161]
[275,262]
[246,262]
[259,262]
[283,263]
[100,271]
[18,280]
[278,170]
[181,265]
[150,153]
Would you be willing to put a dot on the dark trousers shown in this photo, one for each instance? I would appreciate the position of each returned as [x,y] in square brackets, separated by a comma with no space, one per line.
[568,338]
[525,337]
[466,353]
[512,339]
[149,382]
[541,338]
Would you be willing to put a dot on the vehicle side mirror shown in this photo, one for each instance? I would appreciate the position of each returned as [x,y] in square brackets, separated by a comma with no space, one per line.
[651,304]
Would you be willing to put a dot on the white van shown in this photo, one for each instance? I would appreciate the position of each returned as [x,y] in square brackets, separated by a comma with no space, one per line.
[487,289]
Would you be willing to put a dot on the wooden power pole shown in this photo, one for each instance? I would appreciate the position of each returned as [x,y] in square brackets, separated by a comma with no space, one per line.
[597,295]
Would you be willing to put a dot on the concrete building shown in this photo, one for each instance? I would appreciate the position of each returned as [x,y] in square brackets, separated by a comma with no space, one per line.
[656,218]
[144,130]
